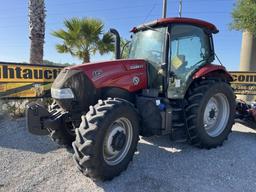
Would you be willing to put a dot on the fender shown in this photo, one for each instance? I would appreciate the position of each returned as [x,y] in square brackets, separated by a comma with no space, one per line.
[208,70]
[130,75]
[119,93]
[211,70]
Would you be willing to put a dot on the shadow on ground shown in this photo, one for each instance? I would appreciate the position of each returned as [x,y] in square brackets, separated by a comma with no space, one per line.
[14,135]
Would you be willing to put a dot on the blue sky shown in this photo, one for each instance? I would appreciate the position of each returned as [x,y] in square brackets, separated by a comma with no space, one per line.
[120,14]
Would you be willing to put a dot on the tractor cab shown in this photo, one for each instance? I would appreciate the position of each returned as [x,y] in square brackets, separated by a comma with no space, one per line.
[175,48]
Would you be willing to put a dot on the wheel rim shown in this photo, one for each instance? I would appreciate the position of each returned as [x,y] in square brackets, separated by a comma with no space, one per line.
[117,141]
[216,115]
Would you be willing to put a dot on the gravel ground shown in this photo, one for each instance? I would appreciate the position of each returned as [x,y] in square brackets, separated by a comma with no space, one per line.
[31,163]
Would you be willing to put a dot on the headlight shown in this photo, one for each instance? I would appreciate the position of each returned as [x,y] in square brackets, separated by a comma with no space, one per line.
[65,93]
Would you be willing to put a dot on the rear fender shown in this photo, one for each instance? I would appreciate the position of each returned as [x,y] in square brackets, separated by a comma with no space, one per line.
[211,70]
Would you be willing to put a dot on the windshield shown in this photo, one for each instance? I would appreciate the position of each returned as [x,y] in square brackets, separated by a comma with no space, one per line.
[149,45]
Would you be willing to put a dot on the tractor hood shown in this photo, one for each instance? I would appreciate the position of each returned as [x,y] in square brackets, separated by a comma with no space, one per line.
[78,86]
[130,74]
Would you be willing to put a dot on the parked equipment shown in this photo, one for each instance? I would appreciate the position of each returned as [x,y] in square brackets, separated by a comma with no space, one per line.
[167,86]
[246,114]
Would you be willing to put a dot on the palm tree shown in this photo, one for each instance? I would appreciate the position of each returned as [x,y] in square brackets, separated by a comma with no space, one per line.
[83,38]
[37,30]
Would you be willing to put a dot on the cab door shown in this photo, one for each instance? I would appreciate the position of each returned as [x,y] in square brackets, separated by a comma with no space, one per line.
[189,50]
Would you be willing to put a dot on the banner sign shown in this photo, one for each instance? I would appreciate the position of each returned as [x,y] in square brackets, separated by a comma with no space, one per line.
[244,83]
[19,80]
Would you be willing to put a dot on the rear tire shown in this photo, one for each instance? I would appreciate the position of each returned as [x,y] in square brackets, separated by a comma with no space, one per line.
[106,139]
[210,112]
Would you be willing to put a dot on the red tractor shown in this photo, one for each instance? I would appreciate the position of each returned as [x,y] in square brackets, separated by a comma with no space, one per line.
[167,86]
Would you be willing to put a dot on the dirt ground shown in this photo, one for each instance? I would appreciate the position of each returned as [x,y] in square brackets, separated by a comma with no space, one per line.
[32,163]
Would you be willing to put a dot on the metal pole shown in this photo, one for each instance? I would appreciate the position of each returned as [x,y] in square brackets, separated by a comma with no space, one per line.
[164,8]
[180,8]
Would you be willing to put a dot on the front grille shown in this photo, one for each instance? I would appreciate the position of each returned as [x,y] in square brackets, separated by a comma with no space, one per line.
[82,87]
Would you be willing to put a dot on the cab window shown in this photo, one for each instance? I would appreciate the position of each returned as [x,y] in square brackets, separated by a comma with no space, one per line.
[189,49]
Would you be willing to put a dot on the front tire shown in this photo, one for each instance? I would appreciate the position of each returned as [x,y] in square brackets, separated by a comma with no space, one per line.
[106,139]
[210,112]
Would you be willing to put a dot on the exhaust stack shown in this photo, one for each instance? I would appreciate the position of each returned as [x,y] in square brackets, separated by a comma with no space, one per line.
[117,42]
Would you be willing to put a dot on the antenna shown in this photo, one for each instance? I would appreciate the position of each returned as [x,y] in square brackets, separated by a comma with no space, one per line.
[180,14]
[164,9]
[180,8]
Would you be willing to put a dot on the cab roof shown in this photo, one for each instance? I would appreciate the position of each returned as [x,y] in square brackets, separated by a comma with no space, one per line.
[182,20]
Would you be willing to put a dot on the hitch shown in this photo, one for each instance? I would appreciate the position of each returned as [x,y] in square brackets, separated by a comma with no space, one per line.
[40,121]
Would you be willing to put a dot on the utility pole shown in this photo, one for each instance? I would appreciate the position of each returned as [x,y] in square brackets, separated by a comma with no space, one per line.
[164,8]
[180,8]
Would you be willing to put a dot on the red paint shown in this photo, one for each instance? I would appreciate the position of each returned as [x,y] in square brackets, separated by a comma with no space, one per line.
[184,20]
[209,68]
[116,73]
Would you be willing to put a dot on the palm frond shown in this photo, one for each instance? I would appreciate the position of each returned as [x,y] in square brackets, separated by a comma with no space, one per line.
[91,29]
[62,48]
[108,38]
[83,38]
[73,24]
[60,34]
[106,44]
